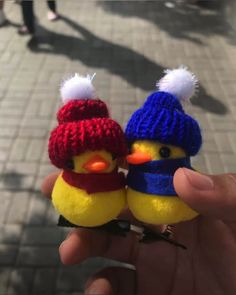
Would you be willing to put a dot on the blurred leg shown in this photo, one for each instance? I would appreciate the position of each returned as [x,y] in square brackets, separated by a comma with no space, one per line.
[52,13]
[52,5]
[1,4]
[2,14]
[28,15]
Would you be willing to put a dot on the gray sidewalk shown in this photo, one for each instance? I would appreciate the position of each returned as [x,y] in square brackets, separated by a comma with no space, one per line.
[128,44]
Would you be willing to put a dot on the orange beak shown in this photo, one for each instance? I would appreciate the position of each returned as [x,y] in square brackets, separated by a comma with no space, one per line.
[96,164]
[138,158]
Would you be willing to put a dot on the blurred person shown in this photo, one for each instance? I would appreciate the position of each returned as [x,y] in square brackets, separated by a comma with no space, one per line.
[29,18]
[3,19]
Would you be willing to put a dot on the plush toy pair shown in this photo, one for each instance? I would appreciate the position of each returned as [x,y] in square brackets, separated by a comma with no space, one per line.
[87,145]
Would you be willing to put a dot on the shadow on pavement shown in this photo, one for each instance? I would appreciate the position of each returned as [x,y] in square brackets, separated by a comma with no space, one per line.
[208,103]
[119,60]
[12,180]
[180,21]
[94,51]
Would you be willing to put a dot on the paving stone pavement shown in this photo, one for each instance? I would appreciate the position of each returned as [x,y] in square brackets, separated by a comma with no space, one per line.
[128,44]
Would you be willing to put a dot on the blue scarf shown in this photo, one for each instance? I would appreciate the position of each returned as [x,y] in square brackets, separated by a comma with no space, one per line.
[156,177]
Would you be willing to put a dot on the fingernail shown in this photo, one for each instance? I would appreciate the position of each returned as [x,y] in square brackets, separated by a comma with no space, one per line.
[198,181]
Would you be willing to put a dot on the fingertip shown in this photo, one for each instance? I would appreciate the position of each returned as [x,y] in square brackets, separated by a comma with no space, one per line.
[71,250]
[181,183]
[194,198]
[81,244]
[48,184]
[63,253]
[99,286]
[179,173]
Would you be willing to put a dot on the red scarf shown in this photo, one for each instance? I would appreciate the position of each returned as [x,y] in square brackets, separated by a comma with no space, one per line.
[95,183]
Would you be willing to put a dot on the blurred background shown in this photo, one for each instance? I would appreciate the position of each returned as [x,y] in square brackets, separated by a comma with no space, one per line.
[128,44]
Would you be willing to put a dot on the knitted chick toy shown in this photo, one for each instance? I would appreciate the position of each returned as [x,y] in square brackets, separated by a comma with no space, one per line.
[161,137]
[85,145]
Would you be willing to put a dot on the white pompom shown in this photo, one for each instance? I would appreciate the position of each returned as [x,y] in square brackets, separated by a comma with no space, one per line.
[179,82]
[77,87]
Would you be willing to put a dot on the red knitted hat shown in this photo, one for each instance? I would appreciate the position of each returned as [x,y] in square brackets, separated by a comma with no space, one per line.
[84,124]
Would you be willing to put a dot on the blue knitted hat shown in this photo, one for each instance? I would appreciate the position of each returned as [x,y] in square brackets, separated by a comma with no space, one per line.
[162,117]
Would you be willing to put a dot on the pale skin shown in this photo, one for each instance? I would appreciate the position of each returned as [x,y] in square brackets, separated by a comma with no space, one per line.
[208,266]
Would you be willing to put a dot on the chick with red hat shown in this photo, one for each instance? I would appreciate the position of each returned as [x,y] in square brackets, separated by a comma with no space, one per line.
[86,144]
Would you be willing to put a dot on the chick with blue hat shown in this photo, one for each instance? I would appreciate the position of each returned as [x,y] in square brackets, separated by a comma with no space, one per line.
[162,137]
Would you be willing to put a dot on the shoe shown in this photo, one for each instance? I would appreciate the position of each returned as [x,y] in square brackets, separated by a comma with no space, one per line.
[52,16]
[23,30]
[3,19]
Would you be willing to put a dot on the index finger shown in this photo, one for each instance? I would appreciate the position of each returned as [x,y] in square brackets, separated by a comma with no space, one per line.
[84,243]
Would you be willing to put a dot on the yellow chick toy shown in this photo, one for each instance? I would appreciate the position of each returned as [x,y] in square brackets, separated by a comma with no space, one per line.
[90,191]
[161,137]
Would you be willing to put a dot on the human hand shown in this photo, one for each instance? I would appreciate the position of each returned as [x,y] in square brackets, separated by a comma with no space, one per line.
[208,266]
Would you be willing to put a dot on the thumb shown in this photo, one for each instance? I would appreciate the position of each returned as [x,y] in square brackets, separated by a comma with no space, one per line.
[210,195]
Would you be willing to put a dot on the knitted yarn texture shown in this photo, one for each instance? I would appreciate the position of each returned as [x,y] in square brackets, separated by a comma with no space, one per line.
[84,125]
[163,119]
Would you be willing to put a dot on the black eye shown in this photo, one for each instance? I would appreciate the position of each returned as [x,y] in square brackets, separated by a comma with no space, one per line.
[114,157]
[164,152]
[70,165]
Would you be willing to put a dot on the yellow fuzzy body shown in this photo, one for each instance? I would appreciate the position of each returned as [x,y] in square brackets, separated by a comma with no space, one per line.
[156,209]
[85,209]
